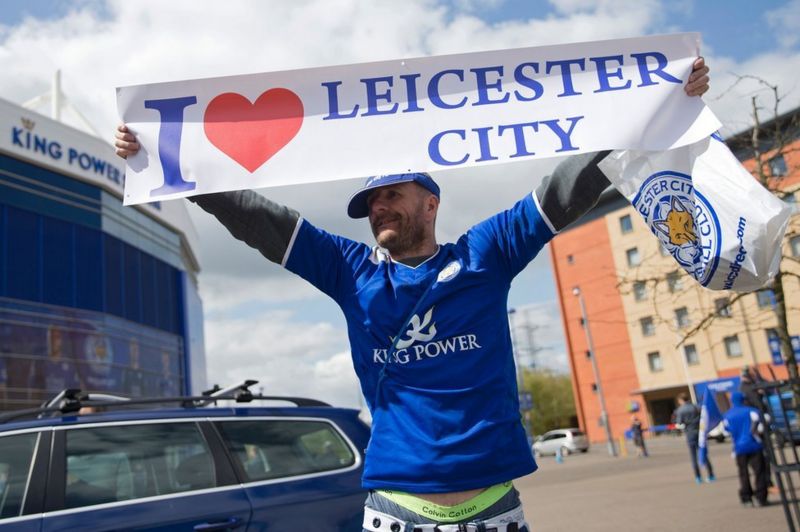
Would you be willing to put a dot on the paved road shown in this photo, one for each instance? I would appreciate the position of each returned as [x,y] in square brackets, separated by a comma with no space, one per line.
[597,493]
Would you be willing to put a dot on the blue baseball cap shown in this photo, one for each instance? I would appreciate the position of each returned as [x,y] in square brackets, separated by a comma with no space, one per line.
[357,207]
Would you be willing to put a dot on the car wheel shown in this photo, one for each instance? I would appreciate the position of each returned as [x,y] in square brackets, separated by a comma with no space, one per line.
[585,450]
[720,438]
[565,451]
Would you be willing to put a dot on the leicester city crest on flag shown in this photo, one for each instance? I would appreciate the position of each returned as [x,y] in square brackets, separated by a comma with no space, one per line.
[683,220]
[718,223]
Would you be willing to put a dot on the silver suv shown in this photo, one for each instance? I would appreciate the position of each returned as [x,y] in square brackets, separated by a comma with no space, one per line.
[567,440]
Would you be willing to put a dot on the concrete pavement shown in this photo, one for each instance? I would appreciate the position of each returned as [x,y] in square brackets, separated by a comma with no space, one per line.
[597,493]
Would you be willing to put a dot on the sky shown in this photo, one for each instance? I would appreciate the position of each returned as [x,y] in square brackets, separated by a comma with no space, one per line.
[264,323]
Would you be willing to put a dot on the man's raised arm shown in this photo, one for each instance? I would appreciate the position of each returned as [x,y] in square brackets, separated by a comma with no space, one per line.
[577,182]
[250,217]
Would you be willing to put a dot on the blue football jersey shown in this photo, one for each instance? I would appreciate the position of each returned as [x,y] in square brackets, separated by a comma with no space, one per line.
[445,412]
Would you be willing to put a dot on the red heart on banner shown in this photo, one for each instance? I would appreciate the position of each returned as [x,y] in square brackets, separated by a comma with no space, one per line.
[252,133]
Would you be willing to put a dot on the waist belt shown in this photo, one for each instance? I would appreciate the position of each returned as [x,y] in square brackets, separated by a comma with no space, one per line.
[511,521]
[449,514]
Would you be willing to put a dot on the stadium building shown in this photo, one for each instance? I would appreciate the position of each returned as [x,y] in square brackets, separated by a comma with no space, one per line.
[93,295]
[640,303]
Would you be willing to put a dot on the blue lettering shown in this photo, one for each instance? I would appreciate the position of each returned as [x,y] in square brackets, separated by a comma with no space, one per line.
[15,136]
[525,81]
[39,144]
[433,90]
[483,142]
[484,85]
[373,97]
[603,74]
[435,153]
[169,142]
[333,102]
[645,71]
[99,166]
[563,136]
[519,137]
[411,93]
[566,74]
[54,150]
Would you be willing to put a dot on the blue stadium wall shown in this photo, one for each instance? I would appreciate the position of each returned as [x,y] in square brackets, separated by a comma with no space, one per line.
[93,295]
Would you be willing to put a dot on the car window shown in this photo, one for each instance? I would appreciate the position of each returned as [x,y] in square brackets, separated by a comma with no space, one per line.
[268,449]
[577,433]
[124,462]
[16,453]
[556,436]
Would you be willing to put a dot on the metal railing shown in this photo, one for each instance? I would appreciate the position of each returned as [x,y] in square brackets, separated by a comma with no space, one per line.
[779,407]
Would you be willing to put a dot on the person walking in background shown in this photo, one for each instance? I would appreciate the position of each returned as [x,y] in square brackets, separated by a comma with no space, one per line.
[687,417]
[637,435]
[744,424]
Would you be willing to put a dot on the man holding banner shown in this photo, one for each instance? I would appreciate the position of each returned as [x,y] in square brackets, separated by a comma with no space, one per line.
[695,423]
[428,331]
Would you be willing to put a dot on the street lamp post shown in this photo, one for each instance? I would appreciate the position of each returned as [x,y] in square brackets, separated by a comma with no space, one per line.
[520,380]
[612,450]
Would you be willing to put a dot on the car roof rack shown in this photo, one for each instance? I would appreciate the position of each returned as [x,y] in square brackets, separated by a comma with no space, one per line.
[72,401]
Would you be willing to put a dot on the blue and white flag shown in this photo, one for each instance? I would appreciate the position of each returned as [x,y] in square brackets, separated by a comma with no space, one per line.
[709,418]
[707,210]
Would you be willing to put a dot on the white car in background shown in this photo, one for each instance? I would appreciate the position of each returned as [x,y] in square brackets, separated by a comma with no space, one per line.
[568,441]
[718,433]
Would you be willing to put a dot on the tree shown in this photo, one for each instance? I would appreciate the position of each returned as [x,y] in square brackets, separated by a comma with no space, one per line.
[553,402]
[771,150]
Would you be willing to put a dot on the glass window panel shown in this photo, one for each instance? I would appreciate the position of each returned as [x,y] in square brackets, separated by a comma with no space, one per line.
[16,454]
[123,462]
[277,449]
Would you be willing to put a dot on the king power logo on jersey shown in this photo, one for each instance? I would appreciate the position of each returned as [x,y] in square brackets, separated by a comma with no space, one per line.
[418,343]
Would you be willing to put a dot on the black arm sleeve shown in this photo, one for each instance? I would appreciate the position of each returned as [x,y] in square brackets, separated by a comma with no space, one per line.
[572,189]
[250,217]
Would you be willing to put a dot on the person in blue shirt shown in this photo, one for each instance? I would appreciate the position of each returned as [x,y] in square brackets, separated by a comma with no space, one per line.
[427,326]
[745,426]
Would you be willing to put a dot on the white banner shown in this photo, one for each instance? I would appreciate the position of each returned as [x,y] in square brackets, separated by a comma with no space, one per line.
[422,114]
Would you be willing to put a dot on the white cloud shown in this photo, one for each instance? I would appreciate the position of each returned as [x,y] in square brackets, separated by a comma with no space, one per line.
[286,356]
[784,21]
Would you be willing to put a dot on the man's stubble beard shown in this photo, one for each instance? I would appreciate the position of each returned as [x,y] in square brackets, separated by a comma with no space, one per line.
[409,234]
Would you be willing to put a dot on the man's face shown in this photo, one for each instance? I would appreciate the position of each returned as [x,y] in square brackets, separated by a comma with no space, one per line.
[397,216]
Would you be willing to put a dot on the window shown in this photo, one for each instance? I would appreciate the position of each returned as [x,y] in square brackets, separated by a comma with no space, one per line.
[633,257]
[732,346]
[118,463]
[794,243]
[765,298]
[674,282]
[723,307]
[625,224]
[654,361]
[639,290]
[278,449]
[570,259]
[690,352]
[777,166]
[588,354]
[16,454]
[648,328]
[682,317]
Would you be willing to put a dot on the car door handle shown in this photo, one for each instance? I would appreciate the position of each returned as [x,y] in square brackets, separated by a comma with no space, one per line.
[228,524]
